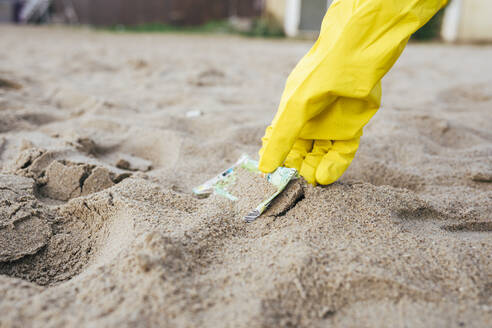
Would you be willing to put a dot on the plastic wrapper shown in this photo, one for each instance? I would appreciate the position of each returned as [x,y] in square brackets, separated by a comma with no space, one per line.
[223,183]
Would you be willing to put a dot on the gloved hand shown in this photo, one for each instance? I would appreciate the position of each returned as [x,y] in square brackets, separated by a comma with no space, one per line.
[335,89]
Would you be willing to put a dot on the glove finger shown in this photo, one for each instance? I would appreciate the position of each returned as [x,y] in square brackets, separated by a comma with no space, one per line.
[279,143]
[336,161]
[265,139]
[298,153]
[313,159]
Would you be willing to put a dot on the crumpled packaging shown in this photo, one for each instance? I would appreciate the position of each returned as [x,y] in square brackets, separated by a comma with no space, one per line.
[220,184]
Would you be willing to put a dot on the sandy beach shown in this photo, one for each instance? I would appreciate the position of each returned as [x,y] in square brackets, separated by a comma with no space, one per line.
[103,135]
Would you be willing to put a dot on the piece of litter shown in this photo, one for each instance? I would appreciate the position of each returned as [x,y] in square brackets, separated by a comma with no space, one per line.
[222,184]
[194,113]
[133,163]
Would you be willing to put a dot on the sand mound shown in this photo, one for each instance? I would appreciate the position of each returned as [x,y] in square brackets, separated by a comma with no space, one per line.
[98,225]
[26,121]
[79,230]
[61,179]
[24,226]
[8,84]
[69,180]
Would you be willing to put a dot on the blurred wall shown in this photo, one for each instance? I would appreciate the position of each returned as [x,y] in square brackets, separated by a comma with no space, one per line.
[276,10]
[298,17]
[468,20]
[477,20]
[6,11]
[312,13]
[176,12]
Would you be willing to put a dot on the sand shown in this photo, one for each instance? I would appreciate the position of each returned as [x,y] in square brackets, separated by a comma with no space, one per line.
[98,156]
[250,188]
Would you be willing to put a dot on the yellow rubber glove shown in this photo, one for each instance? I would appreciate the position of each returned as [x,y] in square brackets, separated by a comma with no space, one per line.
[335,89]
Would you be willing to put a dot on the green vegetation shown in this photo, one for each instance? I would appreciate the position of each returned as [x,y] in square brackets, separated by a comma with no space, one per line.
[431,30]
[210,27]
[259,28]
[266,28]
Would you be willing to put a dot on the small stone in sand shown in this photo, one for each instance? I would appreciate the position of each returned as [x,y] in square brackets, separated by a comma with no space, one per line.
[133,163]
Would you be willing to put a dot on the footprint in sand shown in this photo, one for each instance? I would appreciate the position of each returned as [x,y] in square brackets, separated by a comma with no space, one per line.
[426,221]
[24,222]
[207,78]
[63,179]
[48,247]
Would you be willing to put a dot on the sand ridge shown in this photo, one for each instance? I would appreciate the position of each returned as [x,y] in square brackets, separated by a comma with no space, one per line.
[98,158]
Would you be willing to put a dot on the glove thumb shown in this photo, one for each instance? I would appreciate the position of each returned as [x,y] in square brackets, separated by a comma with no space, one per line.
[277,143]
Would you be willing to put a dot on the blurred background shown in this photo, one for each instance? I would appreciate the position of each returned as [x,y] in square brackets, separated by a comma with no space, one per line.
[461,21]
